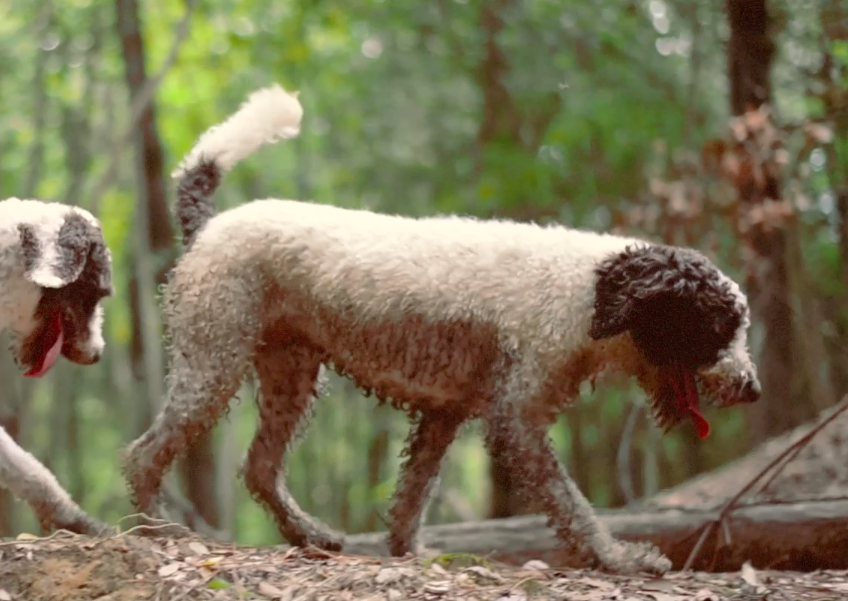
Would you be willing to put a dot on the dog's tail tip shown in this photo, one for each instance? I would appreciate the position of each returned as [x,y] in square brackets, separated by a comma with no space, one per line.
[267,116]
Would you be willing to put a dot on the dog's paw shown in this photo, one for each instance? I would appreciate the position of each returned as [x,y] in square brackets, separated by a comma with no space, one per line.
[632,558]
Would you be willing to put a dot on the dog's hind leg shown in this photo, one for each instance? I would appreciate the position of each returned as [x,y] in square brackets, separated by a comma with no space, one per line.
[521,435]
[428,443]
[288,376]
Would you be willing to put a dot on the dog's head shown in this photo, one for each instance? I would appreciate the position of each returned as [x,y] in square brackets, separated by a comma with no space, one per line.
[63,269]
[689,322]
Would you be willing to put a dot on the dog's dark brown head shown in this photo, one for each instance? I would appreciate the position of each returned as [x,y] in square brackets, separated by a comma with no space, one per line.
[688,320]
[70,265]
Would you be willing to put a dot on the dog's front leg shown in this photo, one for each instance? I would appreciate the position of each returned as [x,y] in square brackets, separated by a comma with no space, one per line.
[428,443]
[199,390]
[523,440]
[28,479]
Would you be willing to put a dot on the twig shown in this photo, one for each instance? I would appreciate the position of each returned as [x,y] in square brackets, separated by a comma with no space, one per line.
[40,539]
[163,526]
[138,106]
[789,459]
[625,478]
[791,450]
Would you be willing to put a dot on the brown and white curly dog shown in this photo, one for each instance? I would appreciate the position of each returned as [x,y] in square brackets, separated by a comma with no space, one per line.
[452,318]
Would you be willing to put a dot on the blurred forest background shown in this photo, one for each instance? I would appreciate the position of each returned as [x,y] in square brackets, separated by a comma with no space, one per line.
[615,115]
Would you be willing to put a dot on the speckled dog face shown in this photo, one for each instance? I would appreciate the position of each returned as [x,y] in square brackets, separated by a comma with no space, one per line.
[688,320]
[67,259]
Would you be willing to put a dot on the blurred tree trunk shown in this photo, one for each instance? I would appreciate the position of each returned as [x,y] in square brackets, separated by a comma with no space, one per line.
[840,371]
[502,123]
[833,95]
[750,54]
[156,237]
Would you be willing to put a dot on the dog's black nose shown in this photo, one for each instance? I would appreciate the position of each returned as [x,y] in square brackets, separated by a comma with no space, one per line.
[751,391]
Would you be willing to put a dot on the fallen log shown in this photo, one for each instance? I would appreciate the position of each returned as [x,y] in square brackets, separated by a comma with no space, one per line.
[802,536]
[818,470]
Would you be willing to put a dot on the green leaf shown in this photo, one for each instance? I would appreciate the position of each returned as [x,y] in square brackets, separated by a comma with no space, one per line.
[217,584]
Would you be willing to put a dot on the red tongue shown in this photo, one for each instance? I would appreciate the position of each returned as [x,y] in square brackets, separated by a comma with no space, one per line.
[687,400]
[49,358]
[701,424]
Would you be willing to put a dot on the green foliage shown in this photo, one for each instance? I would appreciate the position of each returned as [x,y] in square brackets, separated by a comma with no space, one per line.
[216,584]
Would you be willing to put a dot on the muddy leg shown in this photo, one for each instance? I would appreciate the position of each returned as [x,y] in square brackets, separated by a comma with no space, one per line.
[288,377]
[427,446]
[197,395]
[526,448]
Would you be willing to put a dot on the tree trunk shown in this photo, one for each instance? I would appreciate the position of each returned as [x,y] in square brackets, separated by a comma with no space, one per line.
[160,233]
[750,54]
[198,466]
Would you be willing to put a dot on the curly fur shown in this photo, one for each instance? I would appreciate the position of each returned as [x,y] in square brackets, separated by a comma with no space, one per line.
[55,268]
[452,318]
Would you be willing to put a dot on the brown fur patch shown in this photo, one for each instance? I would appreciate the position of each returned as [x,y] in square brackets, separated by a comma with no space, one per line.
[288,376]
[420,365]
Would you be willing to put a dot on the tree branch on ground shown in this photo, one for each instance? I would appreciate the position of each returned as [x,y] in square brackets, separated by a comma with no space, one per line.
[789,536]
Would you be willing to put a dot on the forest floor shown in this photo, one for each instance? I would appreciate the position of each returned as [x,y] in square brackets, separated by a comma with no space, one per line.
[131,568]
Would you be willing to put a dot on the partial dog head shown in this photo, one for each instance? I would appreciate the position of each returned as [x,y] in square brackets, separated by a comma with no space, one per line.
[55,270]
[687,319]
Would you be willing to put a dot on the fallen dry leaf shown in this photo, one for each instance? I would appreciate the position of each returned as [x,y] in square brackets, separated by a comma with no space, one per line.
[198,548]
[595,583]
[212,561]
[483,573]
[169,569]
[535,564]
[706,594]
[387,575]
[269,590]
[664,586]
[394,594]
[838,586]
[437,587]
[658,596]
[749,575]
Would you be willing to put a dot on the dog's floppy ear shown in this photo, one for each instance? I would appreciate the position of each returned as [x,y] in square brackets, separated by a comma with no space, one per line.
[54,261]
[616,290]
[675,303]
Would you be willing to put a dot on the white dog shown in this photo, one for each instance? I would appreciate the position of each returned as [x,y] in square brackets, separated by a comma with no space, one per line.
[55,268]
[451,318]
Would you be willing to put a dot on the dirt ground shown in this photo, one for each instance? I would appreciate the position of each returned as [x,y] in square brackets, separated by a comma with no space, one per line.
[130,568]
